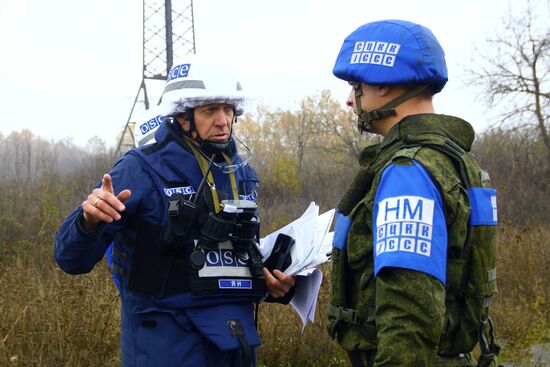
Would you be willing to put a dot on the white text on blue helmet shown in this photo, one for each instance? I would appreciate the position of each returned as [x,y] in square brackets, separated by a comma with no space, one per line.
[377,53]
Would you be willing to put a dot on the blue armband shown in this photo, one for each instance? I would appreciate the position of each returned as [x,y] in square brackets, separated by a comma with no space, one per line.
[409,224]
[341,229]
[484,206]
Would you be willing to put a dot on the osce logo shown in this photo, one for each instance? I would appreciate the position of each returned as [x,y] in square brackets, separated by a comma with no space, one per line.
[151,124]
[251,197]
[405,224]
[185,190]
[179,71]
[376,53]
[223,263]
[223,257]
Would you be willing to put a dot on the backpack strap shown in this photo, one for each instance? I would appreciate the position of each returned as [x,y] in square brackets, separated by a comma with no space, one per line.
[488,348]
[456,153]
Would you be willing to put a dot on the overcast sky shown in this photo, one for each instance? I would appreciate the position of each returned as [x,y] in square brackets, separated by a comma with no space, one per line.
[71,69]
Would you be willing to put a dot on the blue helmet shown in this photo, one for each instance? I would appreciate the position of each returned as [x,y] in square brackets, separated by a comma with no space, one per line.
[392,52]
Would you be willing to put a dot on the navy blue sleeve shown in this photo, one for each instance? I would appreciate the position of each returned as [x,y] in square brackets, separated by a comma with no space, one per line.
[76,250]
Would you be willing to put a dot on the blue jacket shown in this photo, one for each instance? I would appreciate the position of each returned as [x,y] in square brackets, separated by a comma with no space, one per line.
[177,330]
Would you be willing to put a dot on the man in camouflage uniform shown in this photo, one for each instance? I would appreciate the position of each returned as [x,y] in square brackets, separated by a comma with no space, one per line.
[416,227]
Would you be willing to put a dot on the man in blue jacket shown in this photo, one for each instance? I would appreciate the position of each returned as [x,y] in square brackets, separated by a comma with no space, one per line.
[181,216]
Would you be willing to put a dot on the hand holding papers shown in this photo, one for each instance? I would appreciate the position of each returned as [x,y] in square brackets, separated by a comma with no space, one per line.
[313,244]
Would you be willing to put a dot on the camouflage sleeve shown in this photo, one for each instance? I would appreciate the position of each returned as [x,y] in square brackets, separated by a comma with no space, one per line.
[410,312]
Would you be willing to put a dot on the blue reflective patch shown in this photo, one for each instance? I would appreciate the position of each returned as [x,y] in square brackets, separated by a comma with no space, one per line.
[341,229]
[185,190]
[410,231]
[235,283]
[484,206]
[251,197]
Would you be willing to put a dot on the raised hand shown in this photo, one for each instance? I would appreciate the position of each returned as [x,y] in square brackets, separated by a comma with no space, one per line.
[102,205]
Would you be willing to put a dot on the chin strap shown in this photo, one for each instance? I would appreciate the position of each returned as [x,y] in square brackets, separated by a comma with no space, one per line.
[365,118]
[204,166]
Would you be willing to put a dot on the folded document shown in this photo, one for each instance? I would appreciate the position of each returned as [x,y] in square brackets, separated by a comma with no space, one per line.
[312,247]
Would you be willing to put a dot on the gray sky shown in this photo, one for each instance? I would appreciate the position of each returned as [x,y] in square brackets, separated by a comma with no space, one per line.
[71,69]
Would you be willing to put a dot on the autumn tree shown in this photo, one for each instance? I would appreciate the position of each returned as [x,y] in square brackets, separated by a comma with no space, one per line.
[514,70]
[338,124]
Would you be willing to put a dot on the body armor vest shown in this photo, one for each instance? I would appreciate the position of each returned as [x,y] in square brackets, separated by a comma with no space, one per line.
[471,275]
[202,253]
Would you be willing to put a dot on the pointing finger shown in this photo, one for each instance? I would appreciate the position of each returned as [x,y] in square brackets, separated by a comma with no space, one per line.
[107,184]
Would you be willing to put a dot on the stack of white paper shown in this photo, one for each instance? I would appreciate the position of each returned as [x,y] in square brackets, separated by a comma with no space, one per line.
[312,247]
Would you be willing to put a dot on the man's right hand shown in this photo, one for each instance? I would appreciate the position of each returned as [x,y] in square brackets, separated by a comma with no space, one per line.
[102,205]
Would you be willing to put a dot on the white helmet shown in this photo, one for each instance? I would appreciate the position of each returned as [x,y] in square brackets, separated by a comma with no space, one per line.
[196,81]
[148,123]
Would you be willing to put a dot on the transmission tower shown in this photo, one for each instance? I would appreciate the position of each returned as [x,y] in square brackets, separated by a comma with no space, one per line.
[168,33]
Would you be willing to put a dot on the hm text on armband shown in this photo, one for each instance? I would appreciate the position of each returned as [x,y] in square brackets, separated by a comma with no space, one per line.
[405,224]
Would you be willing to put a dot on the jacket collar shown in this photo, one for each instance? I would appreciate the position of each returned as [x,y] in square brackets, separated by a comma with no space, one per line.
[454,128]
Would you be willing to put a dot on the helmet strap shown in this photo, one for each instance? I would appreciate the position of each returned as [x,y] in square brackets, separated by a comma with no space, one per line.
[189,115]
[365,118]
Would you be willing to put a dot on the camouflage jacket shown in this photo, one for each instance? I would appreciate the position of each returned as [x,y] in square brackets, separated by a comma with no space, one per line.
[407,316]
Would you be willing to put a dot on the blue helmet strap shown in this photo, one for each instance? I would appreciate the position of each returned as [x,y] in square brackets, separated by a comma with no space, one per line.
[365,118]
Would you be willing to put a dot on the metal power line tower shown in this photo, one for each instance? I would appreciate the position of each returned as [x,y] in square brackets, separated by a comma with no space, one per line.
[168,33]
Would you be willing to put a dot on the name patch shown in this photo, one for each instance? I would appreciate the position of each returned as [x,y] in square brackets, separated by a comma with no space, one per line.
[235,283]
[373,52]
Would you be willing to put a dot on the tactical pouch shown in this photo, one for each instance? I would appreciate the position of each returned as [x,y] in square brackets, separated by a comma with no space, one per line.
[156,273]
[212,322]
[216,229]
[227,271]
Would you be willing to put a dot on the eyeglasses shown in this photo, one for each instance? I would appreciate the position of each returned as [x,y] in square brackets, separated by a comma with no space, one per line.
[230,168]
